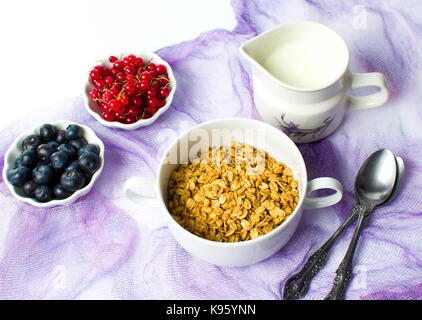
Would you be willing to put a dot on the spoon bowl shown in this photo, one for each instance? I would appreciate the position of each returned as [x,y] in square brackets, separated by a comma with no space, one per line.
[376,179]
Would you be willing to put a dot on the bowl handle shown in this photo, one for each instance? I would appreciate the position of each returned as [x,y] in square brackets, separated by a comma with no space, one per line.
[137,183]
[326,201]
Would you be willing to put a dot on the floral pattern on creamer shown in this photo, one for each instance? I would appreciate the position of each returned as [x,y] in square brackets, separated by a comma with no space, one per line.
[296,133]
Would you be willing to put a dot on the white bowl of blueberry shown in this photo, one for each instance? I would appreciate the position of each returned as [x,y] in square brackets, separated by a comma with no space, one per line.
[53,164]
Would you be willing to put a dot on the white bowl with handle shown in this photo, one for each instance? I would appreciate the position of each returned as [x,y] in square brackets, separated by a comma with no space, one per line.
[16,149]
[222,132]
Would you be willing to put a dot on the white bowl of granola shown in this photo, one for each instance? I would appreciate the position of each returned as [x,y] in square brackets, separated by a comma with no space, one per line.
[237,218]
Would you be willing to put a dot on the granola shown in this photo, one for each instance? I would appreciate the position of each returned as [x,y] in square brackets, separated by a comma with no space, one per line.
[231,194]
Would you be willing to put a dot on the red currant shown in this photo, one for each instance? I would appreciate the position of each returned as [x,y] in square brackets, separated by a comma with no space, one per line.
[152,109]
[129,88]
[94,94]
[126,61]
[139,62]
[151,67]
[112,59]
[118,64]
[145,76]
[114,91]
[106,72]
[106,96]
[129,70]
[114,71]
[161,103]
[109,81]
[130,119]
[100,69]
[94,75]
[104,107]
[153,74]
[151,92]
[137,101]
[108,116]
[152,101]
[114,104]
[160,68]
[124,100]
[121,110]
[121,77]
[164,92]
[133,111]
[131,58]
[142,85]
[99,84]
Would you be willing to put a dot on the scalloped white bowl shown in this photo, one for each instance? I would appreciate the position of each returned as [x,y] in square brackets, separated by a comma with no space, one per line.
[15,150]
[94,110]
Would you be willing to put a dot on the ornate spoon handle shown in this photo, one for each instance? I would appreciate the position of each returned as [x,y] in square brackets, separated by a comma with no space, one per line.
[298,285]
[344,271]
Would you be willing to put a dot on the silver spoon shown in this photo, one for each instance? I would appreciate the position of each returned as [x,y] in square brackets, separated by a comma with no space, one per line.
[297,285]
[375,185]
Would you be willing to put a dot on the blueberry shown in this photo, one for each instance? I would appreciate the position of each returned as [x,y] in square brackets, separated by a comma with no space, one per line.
[44,151]
[89,148]
[71,151]
[43,193]
[29,188]
[31,142]
[54,144]
[48,132]
[28,158]
[18,162]
[19,176]
[60,192]
[73,166]
[89,162]
[59,160]
[72,180]
[61,137]
[73,131]
[43,174]
[77,143]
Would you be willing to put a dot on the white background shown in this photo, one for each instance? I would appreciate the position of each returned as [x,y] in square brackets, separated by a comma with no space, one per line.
[47,46]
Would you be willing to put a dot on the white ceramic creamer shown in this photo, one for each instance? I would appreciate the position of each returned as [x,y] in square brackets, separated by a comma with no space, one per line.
[302,80]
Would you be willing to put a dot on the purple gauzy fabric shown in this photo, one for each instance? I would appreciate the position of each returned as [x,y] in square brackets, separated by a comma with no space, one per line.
[102,246]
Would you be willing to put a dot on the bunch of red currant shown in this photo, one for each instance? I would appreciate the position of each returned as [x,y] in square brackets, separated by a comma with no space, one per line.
[130,90]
